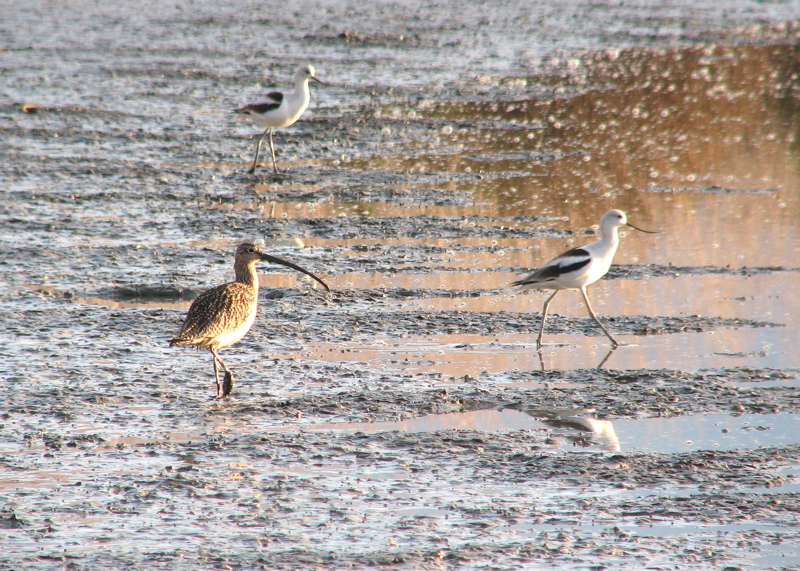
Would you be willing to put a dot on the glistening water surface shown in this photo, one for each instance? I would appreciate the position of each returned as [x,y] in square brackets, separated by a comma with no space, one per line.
[579,429]
[771,299]
[405,420]
[568,429]
[699,143]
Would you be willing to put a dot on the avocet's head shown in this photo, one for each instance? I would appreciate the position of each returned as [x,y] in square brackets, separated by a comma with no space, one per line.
[306,73]
[615,219]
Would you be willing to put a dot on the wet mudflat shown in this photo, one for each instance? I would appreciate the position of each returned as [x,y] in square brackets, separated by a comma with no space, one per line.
[404,420]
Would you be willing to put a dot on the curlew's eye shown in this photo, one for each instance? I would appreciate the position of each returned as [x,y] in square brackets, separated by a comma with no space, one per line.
[251,250]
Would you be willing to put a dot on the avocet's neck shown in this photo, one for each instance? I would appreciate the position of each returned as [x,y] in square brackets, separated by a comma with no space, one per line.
[299,99]
[609,234]
[609,241]
[301,90]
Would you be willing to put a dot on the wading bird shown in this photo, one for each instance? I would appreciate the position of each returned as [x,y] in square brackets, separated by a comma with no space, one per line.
[223,315]
[579,267]
[280,110]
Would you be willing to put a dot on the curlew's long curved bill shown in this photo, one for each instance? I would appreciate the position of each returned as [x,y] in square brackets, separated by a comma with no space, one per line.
[640,230]
[274,260]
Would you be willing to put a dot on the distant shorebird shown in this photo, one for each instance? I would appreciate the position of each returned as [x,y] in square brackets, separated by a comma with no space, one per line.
[223,315]
[579,267]
[281,110]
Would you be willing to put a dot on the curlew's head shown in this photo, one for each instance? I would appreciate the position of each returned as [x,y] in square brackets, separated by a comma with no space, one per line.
[249,253]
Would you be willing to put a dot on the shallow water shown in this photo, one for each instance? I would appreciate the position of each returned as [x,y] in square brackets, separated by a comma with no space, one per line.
[371,427]
[717,175]
[771,298]
[651,435]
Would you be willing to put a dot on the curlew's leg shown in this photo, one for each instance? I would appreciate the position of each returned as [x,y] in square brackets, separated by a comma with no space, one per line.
[224,388]
[216,373]
[589,307]
[544,318]
[227,384]
[272,150]
[258,149]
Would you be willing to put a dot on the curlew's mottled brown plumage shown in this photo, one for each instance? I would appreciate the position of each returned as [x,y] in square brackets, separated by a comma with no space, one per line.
[223,315]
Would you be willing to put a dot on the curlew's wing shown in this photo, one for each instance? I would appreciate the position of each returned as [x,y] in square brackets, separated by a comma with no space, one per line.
[214,312]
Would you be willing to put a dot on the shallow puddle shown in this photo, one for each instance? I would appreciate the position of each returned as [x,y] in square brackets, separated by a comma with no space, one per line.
[459,355]
[574,429]
[139,304]
[771,298]
[565,429]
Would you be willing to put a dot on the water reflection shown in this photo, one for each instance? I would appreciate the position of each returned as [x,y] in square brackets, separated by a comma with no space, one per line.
[687,125]
[602,431]
[772,298]
[141,304]
[768,297]
[690,117]
[372,209]
[466,354]
[574,427]
[562,426]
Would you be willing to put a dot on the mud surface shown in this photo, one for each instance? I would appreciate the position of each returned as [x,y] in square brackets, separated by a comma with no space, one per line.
[404,420]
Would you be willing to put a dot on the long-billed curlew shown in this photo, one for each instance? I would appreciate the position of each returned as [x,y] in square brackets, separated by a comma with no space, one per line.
[223,315]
